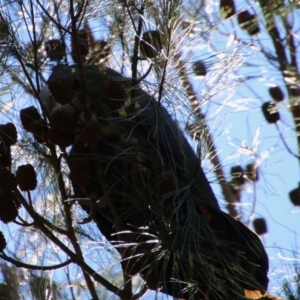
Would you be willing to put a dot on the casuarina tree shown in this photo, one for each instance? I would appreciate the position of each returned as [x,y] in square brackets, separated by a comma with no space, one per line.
[101,149]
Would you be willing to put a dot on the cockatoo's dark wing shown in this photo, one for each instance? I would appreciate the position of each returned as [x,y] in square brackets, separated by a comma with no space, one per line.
[147,187]
[152,123]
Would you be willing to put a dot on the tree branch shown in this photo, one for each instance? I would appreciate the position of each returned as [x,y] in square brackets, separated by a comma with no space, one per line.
[20,264]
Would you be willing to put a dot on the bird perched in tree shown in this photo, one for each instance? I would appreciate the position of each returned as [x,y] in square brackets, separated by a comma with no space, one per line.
[147,189]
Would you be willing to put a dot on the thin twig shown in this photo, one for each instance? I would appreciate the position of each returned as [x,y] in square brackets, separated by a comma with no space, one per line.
[192,96]
[20,264]
[285,143]
[280,50]
[134,62]
[75,258]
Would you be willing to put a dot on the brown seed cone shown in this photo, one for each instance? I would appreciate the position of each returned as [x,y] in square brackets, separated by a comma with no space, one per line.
[199,68]
[61,90]
[4,28]
[2,242]
[166,184]
[115,92]
[8,134]
[55,49]
[64,118]
[140,174]
[26,177]
[60,138]
[227,8]
[248,22]
[5,156]
[237,175]
[270,111]
[244,17]
[151,43]
[276,93]
[295,196]
[28,115]
[90,131]
[83,46]
[8,181]
[8,210]
[252,172]
[260,226]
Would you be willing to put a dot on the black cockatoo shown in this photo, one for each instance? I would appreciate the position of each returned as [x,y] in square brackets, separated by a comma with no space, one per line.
[148,190]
